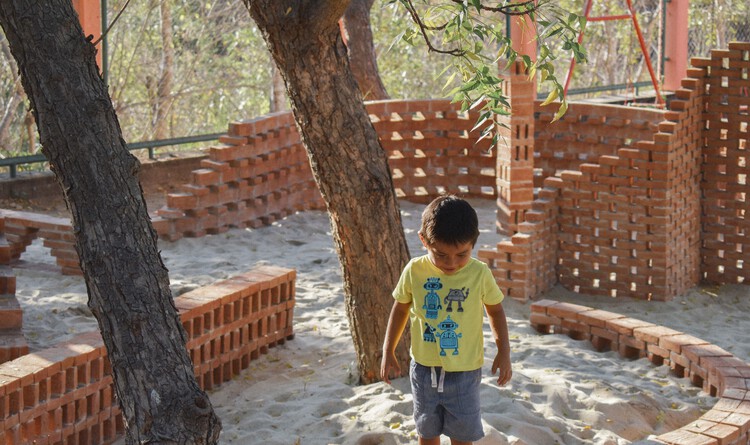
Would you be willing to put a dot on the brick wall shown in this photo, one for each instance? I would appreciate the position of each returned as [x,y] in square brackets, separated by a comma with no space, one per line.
[651,217]
[64,394]
[431,149]
[725,251]
[584,133]
[707,366]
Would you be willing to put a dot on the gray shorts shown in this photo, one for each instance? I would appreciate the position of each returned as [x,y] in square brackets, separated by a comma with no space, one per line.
[455,411]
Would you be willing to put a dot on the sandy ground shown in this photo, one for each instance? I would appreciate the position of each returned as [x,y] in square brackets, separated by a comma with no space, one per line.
[304,392]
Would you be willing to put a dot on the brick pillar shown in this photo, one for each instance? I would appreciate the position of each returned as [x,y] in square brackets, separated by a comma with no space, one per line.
[515,152]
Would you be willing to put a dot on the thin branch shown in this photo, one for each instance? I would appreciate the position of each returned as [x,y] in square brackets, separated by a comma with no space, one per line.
[106,31]
[511,9]
[423,30]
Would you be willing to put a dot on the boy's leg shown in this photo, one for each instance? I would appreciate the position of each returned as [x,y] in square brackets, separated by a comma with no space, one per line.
[433,441]
[458,442]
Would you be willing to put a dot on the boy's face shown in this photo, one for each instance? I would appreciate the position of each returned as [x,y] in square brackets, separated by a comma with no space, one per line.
[449,258]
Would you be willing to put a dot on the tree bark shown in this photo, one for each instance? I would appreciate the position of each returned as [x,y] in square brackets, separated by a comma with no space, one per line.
[349,165]
[357,33]
[127,282]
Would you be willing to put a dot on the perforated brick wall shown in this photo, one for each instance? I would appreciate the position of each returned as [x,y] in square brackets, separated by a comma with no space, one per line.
[725,251]
[649,219]
[64,394]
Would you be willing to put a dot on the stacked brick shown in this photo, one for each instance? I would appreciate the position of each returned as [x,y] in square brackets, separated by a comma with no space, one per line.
[515,153]
[64,394]
[584,133]
[650,216]
[708,366]
[257,175]
[21,228]
[432,149]
[12,342]
[726,190]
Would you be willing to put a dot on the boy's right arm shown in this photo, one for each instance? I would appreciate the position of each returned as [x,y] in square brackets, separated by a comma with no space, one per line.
[396,325]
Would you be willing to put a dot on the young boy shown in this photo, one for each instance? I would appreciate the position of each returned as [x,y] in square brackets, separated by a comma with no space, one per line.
[443,294]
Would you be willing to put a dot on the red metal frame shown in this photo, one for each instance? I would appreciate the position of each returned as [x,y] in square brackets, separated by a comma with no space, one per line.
[644,50]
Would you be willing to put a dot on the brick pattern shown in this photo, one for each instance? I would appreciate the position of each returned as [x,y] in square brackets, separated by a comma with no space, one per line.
[12,342]
[21,228]
[257,175]
[515,153]
[725,252]
[586,132]
[708,366]
[431,149]
[649,218]
[64,395]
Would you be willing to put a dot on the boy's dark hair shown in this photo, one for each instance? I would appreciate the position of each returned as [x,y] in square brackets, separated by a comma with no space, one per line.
[451,220]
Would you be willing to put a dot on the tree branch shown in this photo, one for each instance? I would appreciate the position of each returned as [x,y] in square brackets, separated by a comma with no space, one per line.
[511,9]
[423,30]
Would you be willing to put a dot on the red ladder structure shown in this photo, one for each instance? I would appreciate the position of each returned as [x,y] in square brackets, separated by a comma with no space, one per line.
[630,16]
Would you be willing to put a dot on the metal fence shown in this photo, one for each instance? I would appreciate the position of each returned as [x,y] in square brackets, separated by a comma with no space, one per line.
[9,167]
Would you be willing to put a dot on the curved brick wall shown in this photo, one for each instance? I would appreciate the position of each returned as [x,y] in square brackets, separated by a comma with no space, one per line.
[716,371]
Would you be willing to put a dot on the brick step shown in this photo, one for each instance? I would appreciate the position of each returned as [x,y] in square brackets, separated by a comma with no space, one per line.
[7,280]
[11,316]
[12,345]
[6,252]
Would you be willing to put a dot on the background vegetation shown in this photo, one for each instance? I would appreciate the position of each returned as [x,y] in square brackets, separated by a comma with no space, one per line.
[211,67]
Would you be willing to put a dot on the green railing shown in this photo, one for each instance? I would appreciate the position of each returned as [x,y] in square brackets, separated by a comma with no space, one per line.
[13,163]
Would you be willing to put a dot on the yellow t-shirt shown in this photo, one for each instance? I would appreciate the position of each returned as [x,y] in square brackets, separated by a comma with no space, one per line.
[447,312]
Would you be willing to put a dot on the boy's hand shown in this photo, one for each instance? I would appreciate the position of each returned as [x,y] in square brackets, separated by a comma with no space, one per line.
[502,364]
[389,363]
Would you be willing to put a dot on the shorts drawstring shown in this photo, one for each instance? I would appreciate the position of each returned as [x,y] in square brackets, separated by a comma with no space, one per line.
[435,384]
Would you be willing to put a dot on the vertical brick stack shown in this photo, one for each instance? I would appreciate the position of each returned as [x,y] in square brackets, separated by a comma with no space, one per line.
[64,395]
[515,152]
[716,371]
[431,149]
[726,190]
[259,174]
[12,342]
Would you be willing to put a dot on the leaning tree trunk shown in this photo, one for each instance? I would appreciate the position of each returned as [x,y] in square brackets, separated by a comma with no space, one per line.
[127,282]
[348,163]
[355,26]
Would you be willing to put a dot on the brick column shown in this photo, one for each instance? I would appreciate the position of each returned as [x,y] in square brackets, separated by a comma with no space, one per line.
[515,152]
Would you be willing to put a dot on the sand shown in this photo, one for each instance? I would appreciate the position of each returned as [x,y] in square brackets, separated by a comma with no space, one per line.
[304,392]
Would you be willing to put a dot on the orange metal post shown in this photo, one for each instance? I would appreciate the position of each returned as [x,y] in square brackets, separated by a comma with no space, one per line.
[90,15]
[676,44]
[523,35]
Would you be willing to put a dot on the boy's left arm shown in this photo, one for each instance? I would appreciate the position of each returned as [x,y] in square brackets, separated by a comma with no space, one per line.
[499,326]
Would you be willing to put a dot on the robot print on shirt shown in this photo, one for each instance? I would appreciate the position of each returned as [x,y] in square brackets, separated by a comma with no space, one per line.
[429,333]
[459,295]
[448,338]
[432,299]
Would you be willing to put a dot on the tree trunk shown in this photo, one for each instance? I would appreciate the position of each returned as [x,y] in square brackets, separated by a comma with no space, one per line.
[127,282]
[349,165]
[355,27]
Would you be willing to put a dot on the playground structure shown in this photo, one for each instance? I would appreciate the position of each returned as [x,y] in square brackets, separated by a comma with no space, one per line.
[610,201]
